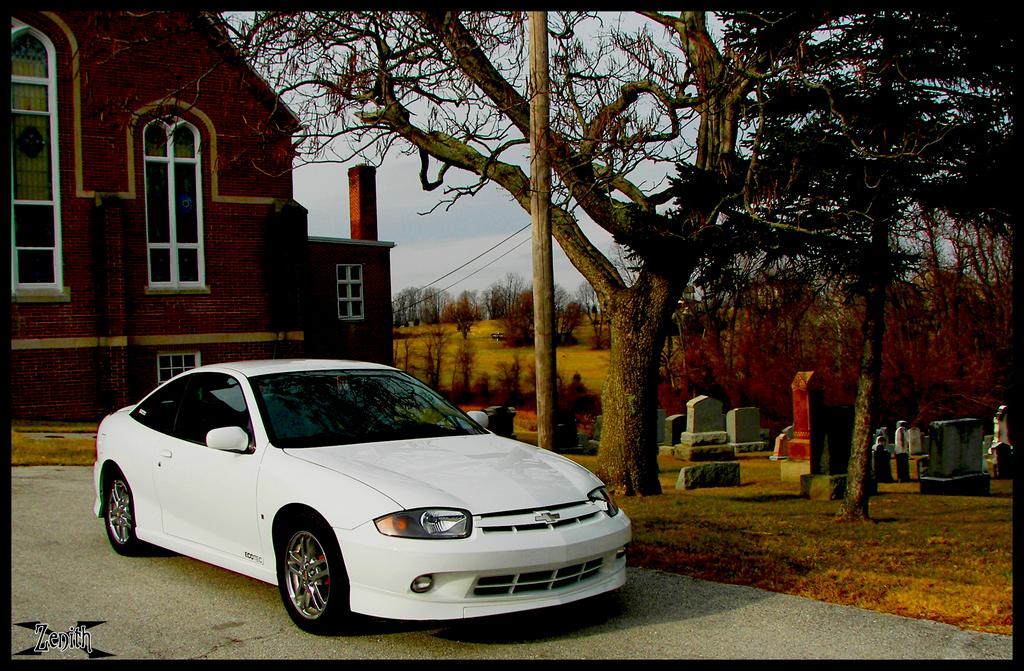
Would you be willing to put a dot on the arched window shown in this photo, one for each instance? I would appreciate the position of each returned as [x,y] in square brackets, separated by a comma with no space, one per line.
[35,196]
[174,220]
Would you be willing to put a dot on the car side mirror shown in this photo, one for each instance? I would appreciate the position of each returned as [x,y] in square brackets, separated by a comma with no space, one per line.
[478,417]
[228,439]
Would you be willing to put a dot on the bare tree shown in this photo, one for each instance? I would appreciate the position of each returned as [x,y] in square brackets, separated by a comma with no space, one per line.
[463,312]
[462,370]
[405,305]
[510,375]
[433,304]
[587,298]
[451,88]
[436,337]
[568,315]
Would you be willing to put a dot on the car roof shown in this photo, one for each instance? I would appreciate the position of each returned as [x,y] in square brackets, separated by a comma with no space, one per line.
[251,368]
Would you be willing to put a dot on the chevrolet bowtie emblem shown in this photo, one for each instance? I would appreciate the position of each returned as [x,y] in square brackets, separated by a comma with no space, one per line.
[547,517]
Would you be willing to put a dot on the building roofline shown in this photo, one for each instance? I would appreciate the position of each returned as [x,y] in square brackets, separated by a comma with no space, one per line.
[350,241]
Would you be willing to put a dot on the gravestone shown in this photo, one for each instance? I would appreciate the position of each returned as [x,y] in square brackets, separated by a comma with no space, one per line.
[955,460]
[1001,426]
[595,442]
[1002,463]
[830,449]
[1002,447]
[661,427]
[901,446]
[830,440]
[799,462]
[882,434]
[705,438]
[565,438]
[718,474]
[674,427]
[782,444]
[914,441]
[781,448]
[705,424]
[800,443]
[743,429]
[902,452]
[880,460]
[902,466]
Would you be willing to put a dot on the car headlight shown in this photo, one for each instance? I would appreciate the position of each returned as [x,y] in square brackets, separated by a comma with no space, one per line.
[426,523]
[601,495]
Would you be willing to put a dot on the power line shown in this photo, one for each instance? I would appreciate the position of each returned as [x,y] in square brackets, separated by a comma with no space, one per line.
[477,257]
[449,274]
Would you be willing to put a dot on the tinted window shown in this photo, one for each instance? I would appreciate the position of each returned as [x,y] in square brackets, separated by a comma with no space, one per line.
[212,401]
[316,408]
[158,411]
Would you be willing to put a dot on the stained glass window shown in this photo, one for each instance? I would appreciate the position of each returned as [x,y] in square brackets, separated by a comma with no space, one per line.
[35,207]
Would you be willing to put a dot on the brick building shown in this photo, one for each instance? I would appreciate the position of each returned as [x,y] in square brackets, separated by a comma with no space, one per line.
[153,225]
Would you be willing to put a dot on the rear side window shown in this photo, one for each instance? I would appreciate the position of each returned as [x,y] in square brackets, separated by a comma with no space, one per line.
[159,410]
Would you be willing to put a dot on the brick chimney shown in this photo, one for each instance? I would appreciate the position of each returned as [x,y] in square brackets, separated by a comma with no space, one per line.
[362,198]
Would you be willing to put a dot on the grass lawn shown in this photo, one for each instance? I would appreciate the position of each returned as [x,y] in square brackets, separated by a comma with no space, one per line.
[942,558]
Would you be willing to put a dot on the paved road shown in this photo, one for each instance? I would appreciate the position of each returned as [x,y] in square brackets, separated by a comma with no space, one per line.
[64,573]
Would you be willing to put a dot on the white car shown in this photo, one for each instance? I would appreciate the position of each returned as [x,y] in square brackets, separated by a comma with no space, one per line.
[354,488]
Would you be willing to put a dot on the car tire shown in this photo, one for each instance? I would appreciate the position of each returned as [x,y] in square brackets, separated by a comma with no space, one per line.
[311,576]
[119,515]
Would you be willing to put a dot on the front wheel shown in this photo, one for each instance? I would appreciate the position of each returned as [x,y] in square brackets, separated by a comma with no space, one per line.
[119,516]
[311,577]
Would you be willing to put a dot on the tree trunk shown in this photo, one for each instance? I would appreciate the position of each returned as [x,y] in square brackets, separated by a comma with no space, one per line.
[628,456]
[858,479]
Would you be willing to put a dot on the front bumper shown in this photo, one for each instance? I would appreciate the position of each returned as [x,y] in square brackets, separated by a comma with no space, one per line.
[485,574]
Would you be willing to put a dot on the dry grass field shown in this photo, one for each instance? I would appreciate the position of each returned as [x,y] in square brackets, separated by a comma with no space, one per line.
[581,358]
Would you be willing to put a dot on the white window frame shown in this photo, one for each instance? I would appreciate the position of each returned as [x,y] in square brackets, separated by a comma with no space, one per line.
[165,362]
[346,300]
[19,28]
[170,125]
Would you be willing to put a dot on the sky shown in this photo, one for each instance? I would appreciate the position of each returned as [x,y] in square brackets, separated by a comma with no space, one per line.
[429,246]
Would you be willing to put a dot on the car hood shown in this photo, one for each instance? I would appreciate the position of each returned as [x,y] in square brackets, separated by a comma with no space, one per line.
[481,473]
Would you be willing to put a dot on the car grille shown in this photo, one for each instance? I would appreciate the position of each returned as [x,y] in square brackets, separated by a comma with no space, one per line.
[537,581]
[547,519]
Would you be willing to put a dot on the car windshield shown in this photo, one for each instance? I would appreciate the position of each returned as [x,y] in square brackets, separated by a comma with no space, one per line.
[336,407]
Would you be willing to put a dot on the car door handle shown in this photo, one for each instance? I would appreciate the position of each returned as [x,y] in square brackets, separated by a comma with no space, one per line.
[165,453]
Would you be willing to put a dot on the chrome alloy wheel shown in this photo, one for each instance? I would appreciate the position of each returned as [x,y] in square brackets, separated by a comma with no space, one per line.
[307,574]
[119,512]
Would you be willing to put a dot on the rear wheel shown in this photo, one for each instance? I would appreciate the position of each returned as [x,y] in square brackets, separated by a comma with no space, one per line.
[311,576]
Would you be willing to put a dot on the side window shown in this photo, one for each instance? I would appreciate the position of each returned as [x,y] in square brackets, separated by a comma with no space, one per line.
[212,401]
[350,292]
[159,410]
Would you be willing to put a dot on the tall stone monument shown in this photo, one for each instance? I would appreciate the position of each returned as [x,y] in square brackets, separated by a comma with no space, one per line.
[799,461]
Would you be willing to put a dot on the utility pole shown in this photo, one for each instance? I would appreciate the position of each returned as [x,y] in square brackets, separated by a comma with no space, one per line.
[540,211]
